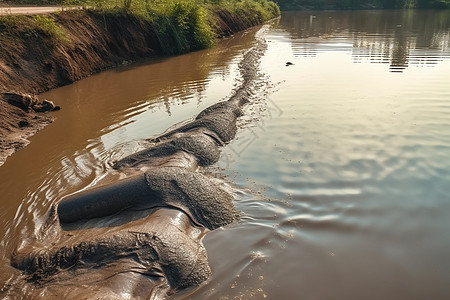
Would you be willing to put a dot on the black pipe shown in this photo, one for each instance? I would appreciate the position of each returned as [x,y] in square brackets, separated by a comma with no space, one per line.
[106,200]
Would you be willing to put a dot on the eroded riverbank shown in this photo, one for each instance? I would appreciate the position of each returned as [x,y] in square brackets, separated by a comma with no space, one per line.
[71,45]
[62,252]
[342,178]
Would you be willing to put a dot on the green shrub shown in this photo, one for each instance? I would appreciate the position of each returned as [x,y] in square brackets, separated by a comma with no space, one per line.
[181,25]
[47,26]
[20,27]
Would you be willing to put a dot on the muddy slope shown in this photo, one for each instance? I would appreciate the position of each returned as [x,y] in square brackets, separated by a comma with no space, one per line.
[31,62]
[140,236]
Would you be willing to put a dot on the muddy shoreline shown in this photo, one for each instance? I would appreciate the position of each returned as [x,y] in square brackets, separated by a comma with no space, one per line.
[142,235]
[34,64]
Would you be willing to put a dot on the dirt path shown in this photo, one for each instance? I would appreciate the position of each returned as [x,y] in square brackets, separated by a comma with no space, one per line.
[27,10]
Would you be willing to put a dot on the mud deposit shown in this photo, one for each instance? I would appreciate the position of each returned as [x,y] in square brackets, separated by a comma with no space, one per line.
[32,62]
[140,237]
[339,170]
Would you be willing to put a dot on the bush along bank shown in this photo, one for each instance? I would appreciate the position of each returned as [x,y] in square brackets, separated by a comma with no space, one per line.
[38,53]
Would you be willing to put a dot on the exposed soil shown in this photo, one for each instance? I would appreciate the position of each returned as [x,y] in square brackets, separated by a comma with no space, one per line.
[31,62]
[140,236]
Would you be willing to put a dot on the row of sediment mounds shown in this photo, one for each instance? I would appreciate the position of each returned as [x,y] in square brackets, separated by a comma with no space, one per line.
[143,234]
[34,59]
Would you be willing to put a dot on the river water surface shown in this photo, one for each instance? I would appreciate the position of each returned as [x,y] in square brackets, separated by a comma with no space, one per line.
[341,166]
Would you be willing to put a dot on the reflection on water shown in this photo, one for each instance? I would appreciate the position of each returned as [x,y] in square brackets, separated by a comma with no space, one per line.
[347,165]
[393,37]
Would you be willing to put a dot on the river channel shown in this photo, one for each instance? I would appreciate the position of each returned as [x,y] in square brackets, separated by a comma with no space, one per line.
[341,165]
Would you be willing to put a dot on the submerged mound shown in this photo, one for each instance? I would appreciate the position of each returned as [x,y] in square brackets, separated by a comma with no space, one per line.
[161,245]
[191,192]
[164,212]
[38,53]
[203,144]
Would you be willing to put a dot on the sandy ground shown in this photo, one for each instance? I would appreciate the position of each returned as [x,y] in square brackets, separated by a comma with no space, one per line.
[27,10]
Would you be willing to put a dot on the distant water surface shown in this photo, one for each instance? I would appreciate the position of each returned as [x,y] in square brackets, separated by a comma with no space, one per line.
[351,155]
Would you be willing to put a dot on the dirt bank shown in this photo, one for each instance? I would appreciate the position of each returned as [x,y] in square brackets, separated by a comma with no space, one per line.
[140,236]
[33,61]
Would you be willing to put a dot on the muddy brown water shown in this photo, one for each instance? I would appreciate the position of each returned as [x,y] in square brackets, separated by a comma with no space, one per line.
[341,165]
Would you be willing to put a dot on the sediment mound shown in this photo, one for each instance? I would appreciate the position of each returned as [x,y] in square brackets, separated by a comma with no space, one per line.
[202,144]
[32,62]
[161,245]
[149,227]
[191,192]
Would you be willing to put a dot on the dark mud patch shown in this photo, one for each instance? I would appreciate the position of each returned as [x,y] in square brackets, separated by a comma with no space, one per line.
[16,126]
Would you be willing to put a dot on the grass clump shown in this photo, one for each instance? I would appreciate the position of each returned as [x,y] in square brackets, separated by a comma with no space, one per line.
[26,27]
[180,25]
[48,26]
[186,25]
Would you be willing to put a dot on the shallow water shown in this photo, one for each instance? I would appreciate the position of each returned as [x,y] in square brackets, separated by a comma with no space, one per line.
[103,118]
[351,156]
[341,166]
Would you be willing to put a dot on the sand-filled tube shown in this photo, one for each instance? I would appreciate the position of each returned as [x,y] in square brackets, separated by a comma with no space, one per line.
[157,249]
[200,198]
[162,245]
[201,144]
[106,200]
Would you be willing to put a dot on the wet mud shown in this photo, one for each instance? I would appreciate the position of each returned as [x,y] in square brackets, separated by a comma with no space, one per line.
[98,41]
[141,236]
[191,192]
[202,143]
